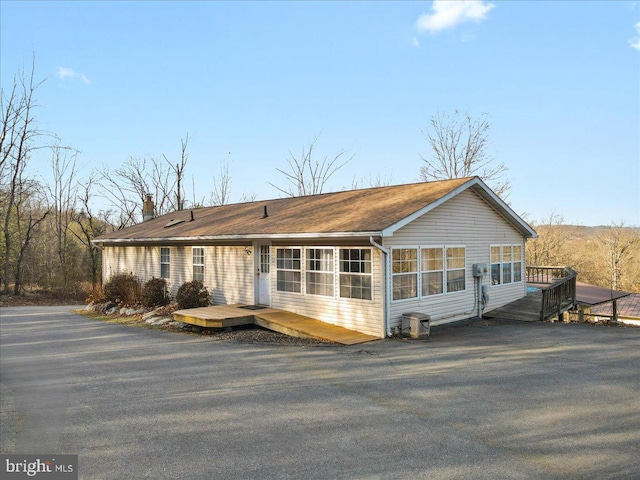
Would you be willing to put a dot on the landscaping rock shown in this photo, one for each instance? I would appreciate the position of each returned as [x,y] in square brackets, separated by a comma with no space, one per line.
[150,314]
[151,319]
[112,310]
[161,321]
[177,324]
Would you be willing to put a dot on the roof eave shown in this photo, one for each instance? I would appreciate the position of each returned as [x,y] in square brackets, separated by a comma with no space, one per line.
[227,238]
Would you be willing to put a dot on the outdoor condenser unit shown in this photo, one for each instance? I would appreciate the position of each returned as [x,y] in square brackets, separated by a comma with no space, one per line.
[417,324]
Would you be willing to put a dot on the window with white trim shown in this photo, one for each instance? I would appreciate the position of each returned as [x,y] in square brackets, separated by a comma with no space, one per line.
[288,270]
[506,264]
[456,268]
[165,262]
[356,273]
[517,263]
[319,271]
[432,270]
[198,263]
[496,264]
[404,271]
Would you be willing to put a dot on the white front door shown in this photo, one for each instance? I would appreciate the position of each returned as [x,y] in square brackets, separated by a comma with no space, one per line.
[264,275]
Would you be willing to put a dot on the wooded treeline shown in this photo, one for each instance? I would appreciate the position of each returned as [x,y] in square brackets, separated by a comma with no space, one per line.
[48,219]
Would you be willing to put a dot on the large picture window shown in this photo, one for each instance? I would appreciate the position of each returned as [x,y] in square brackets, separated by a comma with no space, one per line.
[356,273]
[404,266]
[288,270]
[432,266]
[319,271]
[165,262]
[198,263]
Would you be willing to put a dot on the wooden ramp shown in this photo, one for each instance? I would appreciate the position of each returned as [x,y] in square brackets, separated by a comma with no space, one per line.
[526,309]
[288,323]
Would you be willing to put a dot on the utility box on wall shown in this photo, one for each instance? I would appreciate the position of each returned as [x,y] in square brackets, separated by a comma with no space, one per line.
[416,324]
[480,270]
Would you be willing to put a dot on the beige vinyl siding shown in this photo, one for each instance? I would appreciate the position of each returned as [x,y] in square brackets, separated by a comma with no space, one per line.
[141,261]
[229,274]
[465,220]
[228,271]
[364,316]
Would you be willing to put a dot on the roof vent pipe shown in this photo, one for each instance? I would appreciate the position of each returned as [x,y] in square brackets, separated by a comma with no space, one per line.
[192,219]
[265,212]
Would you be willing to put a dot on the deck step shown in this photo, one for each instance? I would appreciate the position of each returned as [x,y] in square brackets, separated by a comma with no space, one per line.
[282,321]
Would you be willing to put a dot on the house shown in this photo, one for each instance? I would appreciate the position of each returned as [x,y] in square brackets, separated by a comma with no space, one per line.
[358,259]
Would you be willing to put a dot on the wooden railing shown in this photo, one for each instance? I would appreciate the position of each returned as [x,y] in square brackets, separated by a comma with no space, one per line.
[559,294]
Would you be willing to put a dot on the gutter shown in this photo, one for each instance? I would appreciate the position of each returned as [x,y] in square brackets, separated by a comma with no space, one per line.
[387,307]
[213,238]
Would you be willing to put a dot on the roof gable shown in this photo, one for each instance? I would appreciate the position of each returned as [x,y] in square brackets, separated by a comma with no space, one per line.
[372,211]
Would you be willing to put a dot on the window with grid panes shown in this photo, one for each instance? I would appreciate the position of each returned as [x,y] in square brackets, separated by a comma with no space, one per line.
[288,270]
[356,273]
[404,271]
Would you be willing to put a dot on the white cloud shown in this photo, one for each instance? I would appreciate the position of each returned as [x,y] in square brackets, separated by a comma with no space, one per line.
[65,73]
[449,13]
[416,42]
[635,42]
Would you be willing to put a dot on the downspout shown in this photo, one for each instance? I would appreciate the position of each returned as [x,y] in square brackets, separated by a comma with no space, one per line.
[385,273]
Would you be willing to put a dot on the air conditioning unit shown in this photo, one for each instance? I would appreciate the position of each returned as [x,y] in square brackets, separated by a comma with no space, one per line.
[416,324]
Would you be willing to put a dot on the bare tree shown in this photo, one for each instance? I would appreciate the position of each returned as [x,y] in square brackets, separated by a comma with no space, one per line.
[179,173]
[90,227]
[459,143]
[307,176]
[62,203]
[550,248]
[372,182]
[17,142]
[126,187]
[221,186]
[618,244]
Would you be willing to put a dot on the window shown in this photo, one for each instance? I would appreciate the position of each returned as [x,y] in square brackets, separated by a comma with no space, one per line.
[404,270]
[495,265]
[288,270]
[517,263]
[455,263]
[319,271]
[432,271]
[355,273]
[198,263]
[506,264]
[265,258]
[165,262]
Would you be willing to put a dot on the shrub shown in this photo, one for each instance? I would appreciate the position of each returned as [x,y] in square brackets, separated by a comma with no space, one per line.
[123,288]
[192,294]
[154,293]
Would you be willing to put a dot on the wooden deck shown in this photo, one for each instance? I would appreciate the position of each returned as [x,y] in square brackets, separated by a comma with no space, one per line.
[526,309]
[288,323]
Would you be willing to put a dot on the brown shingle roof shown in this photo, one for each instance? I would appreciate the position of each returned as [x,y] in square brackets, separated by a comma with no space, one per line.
[355,211]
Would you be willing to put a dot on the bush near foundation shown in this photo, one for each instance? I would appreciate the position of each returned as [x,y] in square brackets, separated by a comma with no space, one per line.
[192,294]
[123,288]
[154,293]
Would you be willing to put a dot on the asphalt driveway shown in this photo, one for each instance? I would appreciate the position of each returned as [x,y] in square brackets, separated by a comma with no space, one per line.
[484,401]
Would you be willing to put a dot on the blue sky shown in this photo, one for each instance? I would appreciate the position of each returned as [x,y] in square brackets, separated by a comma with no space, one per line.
[250,81]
